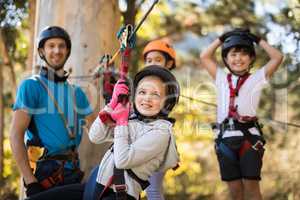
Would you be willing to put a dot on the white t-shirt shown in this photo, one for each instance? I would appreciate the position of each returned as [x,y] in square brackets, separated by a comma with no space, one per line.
[247,100]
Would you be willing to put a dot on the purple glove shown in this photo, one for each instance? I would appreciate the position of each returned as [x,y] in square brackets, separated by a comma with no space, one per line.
[120,88]
[120,114]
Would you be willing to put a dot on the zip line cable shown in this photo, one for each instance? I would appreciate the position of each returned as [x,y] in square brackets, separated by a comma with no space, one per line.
[200,101]
[214,105]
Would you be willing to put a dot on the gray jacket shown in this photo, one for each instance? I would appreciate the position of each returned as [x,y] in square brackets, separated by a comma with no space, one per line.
[139,146]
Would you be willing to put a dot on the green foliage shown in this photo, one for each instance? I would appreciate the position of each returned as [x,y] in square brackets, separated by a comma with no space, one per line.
[12,28]
[12,12]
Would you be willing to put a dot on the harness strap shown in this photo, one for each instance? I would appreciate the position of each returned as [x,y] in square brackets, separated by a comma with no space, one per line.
[108,184]
[144,184]
[244,148]
[55,178]
[62,157]
[118,182]
[120,187]
[71,134]
[234,92]
[249,141]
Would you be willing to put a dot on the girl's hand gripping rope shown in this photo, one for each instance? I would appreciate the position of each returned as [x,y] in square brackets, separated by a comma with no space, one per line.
[120,89]
[120,114]
[119,96]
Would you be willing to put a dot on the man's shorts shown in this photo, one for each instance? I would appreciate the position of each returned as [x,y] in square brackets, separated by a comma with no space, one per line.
[235,167]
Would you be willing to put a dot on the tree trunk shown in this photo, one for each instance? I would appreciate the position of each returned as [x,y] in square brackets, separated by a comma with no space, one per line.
[1,121]
[7,62]
[92,25]
[32,12]
[130,14]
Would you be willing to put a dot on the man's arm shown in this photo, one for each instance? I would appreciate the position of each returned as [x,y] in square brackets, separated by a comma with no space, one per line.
[207,58]
[20,122]
[275,58]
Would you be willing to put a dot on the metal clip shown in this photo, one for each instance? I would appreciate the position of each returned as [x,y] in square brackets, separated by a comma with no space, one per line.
[231,124]
[120,188]
[258,145]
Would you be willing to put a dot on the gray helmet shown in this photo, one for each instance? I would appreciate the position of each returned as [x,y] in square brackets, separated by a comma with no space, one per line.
[238,40]
[173,89]
[54,32]
[241,40]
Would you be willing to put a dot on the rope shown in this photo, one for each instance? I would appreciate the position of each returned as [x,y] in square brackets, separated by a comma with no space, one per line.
[198,100]
[214,105]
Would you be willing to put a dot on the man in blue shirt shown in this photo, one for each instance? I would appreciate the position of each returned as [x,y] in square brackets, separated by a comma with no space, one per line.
[49,113]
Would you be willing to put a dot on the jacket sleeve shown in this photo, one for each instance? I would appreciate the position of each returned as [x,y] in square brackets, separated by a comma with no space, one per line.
[100,133]
[140,151]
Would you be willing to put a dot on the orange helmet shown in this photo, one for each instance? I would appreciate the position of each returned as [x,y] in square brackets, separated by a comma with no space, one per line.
[160,45]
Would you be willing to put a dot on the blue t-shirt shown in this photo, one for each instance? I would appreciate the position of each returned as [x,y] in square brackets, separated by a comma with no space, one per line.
[45,118]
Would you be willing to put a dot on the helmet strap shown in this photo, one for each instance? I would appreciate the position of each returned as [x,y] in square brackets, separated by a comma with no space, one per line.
[170,64]
[57,68]
[51,75]
[239,73]
[242,73]
[139,116]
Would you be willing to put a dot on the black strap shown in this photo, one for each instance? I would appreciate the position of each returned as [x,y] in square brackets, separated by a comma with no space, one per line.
[62,157]
[72,135]
[119,184]
[144,184]
[236,125]
[52,76]
[35,140]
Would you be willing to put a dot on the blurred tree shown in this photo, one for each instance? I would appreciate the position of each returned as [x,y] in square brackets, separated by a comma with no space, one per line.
[12,16]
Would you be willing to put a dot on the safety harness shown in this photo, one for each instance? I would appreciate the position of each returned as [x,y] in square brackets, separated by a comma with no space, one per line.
[234,92]
[117,180]
[235,121]
[57,176]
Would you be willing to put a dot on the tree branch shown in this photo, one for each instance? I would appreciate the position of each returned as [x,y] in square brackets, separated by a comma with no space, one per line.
[7,61]
[139,5]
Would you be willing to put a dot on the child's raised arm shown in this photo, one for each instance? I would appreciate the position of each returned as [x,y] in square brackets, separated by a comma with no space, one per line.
[273,53]
[275,56]
[207,58]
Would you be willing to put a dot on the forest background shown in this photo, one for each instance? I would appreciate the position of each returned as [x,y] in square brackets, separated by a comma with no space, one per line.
[190,25]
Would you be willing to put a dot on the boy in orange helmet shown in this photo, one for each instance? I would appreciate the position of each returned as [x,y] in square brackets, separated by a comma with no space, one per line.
[159,52]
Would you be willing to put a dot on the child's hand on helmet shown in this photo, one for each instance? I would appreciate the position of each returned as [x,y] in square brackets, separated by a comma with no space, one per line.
[224,36]
[254,37]
[120,114]
[236,31]
[120,88]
